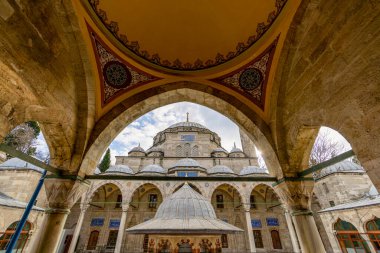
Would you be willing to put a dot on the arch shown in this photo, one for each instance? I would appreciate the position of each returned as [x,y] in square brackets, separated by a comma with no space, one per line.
[311,89]
[97,184]
[229,190]
[136,186]
[349,237]
[178,151]
[372,227]
[154,203]
[265,197]
[106,193]
[276,239]
[127,111]
[186,150]
[191,185]
[93,240]
[195,151]
[214,186]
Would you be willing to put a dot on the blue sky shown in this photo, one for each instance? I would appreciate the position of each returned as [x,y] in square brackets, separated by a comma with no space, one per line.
[146,127]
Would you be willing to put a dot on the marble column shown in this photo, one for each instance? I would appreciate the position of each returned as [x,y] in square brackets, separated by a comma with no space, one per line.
[120,234]
[296,196]
[78,227]
[251,239]
[292,232]
[61,194]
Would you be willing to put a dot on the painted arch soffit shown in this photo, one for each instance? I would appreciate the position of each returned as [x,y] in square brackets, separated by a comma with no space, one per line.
[116,75]
[251,80]
[166,34]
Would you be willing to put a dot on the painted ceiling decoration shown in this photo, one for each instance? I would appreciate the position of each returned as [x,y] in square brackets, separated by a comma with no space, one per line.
[116,76]
[186,37]
[251,80]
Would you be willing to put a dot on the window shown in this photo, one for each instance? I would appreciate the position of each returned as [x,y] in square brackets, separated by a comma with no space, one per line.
[93,240]
[178,151]
[5,238]
[118,201]
[258,239]
[112,238]
[187,174]
[219,201]
[153,200]
[325,188]
[146,243]
[332,203]
[252,201]
[224,241]
[195,151]
[349,238]
[276,239]
[373,229]
[187,150]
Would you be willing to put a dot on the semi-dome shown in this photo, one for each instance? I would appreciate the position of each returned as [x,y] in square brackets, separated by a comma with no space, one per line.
[249,170]
[220,169]
[119,169]
[153,168]
[186,162]
[341,167]
[185,212]
[154,149]
[187,124]
[18,164]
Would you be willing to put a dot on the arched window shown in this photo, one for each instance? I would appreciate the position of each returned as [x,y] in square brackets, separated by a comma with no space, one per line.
[93,240]
[6,236]
[178,151]
[349,238]
[276,239]
[187,150]
[195,151]
[373,229]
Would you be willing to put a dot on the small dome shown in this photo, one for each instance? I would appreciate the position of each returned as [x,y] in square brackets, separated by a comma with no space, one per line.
[153,168]
[219,150]
[343,166]
[252,170]
[220,169]
[235,149]
[187,124]
[119,168]
[18,164]
[97,171]
[155,149]
[186,162]
[137,149]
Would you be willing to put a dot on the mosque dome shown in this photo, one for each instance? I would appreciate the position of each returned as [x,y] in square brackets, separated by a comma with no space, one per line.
[341,167]
[185,212]
[119,169]
[186,162]
[187,124]
[249,170]
[18,164]
[219,150]
[155,149]
[220,169]
[236,150]
[137,149]
[153,168]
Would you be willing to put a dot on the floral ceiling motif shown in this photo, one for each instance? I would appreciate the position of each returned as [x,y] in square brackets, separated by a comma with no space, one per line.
[251,80]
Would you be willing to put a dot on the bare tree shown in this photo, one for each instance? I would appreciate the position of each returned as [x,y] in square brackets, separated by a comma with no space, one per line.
[325,148]
[23,137]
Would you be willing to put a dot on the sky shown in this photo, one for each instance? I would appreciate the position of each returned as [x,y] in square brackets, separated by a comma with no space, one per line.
[146,127]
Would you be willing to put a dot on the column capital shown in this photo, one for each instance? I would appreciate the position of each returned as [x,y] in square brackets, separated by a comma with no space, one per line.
[296,195]
[63,193]
[124,207]
[84,207]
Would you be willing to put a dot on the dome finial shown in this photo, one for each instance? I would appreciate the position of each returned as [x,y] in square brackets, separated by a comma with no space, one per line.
[234,144]
[187,117]
[139,144]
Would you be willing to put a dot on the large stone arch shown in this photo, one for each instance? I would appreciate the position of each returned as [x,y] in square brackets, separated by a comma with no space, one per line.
[96,186]
[328,76]
[235,186]
[126,112]
[132,190]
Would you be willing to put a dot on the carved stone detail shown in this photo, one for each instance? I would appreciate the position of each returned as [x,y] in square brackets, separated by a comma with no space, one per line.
[64,193]
[296,195]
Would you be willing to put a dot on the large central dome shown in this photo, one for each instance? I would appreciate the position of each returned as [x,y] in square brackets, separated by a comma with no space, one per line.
[186,35]
[187,124]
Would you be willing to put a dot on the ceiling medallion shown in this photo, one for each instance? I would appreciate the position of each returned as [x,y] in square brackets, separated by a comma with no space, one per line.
[251,79]
[116,76]
[155,58]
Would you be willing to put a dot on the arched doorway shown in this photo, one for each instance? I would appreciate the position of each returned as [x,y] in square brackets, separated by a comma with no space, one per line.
[373,230]
[350,241]
[9,232]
